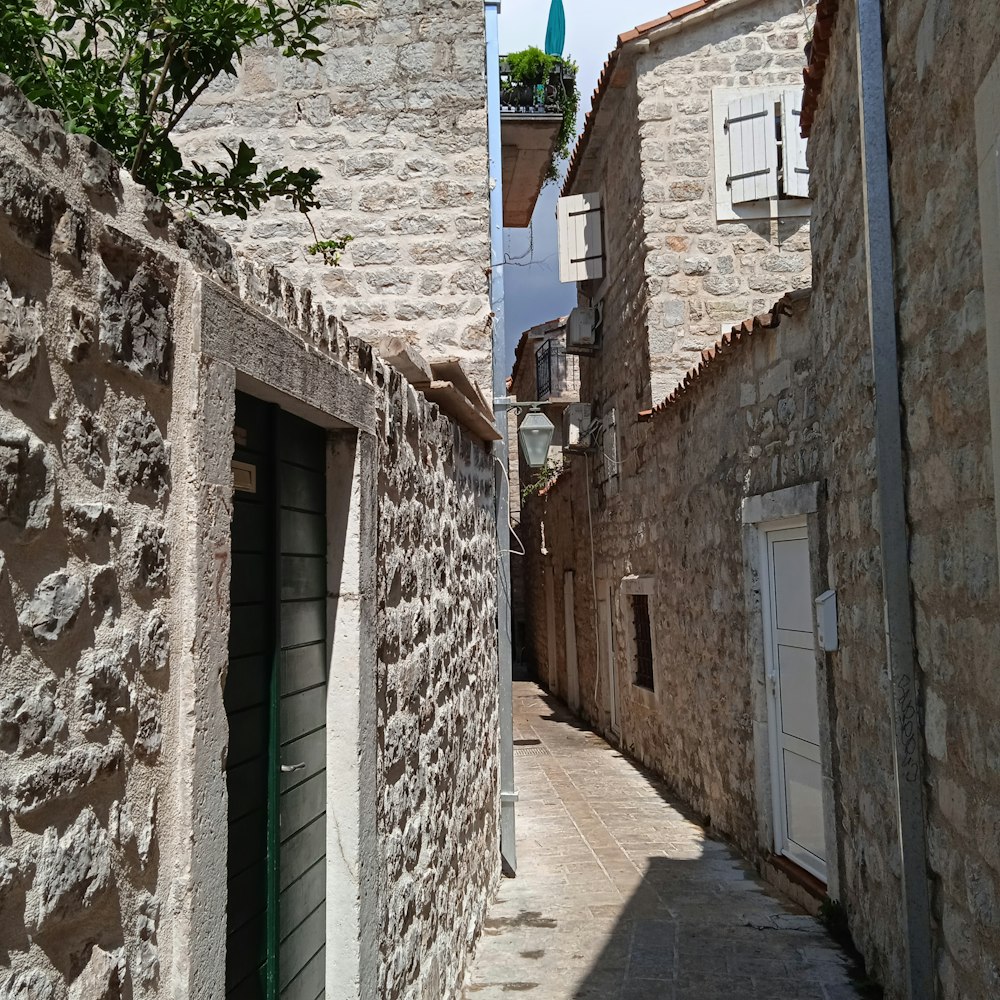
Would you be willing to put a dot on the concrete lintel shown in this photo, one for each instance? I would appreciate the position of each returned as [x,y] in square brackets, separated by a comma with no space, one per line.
[274,366]
[790,502]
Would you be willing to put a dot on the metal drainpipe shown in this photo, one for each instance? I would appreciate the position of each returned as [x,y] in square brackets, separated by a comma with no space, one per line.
[508,793]
[905,702]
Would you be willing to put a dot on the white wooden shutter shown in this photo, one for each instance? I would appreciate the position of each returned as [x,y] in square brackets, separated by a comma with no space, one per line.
[581,241]
[610,444]
[753,149]
[793,146]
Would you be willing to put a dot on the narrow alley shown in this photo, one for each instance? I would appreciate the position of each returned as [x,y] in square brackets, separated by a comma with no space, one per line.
[620,897]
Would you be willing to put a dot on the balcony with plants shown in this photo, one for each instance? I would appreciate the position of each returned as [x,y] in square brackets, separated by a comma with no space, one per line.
[538,106]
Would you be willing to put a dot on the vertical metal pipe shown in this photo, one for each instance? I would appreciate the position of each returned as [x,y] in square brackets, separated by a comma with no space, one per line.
[905,702]
[508,793]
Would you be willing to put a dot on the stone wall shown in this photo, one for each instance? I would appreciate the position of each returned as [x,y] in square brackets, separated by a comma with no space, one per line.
[115,505]
[437,701]
[395,119]
[704,275]
[937,55]
[746,427]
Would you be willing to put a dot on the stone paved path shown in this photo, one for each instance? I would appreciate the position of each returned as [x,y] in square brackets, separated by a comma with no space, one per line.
[619,897]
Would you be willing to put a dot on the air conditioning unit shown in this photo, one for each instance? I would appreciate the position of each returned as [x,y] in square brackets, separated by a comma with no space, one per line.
[583,329]
[577,429]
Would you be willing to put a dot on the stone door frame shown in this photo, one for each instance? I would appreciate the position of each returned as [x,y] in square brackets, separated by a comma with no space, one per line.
[224,345]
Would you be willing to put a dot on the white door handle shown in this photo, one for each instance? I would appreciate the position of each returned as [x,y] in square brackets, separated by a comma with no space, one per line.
[288,768]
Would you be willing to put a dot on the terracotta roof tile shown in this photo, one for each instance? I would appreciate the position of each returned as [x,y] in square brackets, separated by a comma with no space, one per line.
[724,347]
[819,53]
[604,80]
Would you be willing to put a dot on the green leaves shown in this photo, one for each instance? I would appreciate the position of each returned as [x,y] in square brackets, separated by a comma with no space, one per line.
[126,72]
[330,250]
[534,67]
[531,65]
[234,187]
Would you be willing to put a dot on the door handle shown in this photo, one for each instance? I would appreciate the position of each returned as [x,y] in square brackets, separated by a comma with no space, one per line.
[288,768]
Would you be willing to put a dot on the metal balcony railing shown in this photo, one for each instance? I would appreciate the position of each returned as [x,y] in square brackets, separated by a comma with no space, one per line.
[542,98]
[556,372]
[543,370]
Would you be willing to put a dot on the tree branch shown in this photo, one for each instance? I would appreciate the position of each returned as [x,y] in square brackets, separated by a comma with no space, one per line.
[168,59]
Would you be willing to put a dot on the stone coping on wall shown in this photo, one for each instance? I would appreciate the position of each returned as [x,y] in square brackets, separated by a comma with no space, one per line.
[727,344]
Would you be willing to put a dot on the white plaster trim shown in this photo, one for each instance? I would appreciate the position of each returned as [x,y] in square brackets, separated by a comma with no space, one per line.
[351,850]
[272,365]
[790,502]
[223,346]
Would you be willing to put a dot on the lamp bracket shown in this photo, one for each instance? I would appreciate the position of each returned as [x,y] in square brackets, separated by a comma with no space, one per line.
[509,403]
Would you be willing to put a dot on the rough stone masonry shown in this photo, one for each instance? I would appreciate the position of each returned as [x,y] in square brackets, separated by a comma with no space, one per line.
[115,505]
[395,118]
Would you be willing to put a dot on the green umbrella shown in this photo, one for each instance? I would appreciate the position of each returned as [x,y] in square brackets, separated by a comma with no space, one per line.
[555,33]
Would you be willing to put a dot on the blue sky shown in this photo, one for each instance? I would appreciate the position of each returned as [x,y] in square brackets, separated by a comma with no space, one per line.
[533,293]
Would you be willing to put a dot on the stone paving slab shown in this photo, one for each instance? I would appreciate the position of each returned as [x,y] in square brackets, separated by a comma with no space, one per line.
[620,897]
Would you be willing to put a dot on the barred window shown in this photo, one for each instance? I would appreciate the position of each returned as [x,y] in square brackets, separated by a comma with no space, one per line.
[543,370]
[643,641]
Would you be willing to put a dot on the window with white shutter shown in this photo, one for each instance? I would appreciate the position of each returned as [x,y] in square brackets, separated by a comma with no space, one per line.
[795,171]
[581,237]
[760,155]
[753,149]
[609,442]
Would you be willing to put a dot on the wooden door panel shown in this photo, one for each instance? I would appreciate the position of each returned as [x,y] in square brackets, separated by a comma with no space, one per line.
[300,851]
[275,698]
[303,667]
[303,684]
[309,982]
[297,952]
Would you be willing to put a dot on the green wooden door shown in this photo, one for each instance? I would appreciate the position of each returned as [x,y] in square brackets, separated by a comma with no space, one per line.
[275,700]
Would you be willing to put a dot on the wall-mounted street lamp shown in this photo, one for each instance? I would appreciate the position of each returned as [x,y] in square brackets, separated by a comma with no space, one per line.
[535,432]
[535,436]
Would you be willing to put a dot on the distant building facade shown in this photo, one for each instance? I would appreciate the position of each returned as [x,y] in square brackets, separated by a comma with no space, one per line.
[542,371]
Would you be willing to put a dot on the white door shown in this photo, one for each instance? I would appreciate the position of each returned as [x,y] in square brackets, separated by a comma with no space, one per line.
[793,712]
[607,652]
[572,672]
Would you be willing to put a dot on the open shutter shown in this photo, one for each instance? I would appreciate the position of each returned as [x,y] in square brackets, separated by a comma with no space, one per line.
[793,145]
[610,445]
[753,149]
[581,241]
